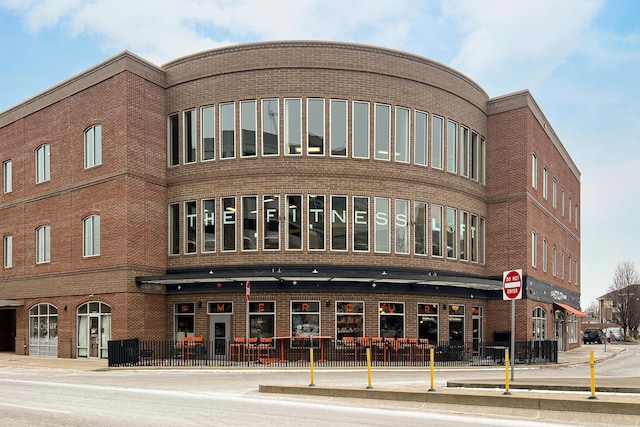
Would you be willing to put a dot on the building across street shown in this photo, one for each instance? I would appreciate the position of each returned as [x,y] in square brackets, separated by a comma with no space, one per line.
[282,190]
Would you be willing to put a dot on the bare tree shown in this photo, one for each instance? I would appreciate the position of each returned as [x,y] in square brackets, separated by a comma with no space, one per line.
[625,295]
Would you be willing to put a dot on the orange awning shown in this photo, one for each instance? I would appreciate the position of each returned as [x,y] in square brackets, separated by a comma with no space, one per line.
[572,310]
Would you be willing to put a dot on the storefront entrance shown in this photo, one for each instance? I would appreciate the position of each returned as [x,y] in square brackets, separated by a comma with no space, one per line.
[558,329]
[94,330]
[8,330]
[220,327]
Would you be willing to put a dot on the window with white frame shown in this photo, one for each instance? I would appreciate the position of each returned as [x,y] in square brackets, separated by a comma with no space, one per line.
[228,214]
[539,318]
[464,236]
[190,227]
[575,261]
[305,319]
[93,146]
[208,225]
[437,135]
[534,248]
[208,132]
[403,235]
[554,261]
[293,126]
[262,319]
[271,223]
[316,221]
[534,170]
[227,131]
[436,231]
[482,161]
[338,223]
[382,132]
[91,236]
[249,223]
[189,121]
[562,265]
[402,135]
[545,190]
[562,202]
[270,127]
[361,224]
[173,140]
[544,254]
[569,209]
[360,130]
[43,244]
[315,127]
[8,251]
[474,238]
[391,318]
[456,323]
[338,128]
[293,229]
[43,165]
[464,151]
[248,132]
[174,229]
[570,269]
[475,154]
[573,328]
[428,322]
[554,193]
[421,229]
[452,235]
[452,146]
[349,319]
[421,139]
[7,176]
[382,240]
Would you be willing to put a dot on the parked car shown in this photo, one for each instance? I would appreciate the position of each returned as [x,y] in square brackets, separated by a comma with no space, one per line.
[592,335]
[617,333]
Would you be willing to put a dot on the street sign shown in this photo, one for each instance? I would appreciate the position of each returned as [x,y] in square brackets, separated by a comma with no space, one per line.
[512,285]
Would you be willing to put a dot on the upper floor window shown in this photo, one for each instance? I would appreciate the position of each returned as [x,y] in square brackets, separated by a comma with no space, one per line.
[421,138]
[270,127]
[569,209]
[534,248]
[452,146]
[91,236]
[534,170]
[43,171]
[293,126]
[437,124]
[7,176]
[554,190]
[544,254]
[248,125]
[315,127]
[338,127]
[464,151]
[173,140]
[228,131]
[545,190]
[43,244]
[382,132]
[8,251]
[208,132]
[361,130]
[189,136]
[562,202]
[93,146]
[402,135]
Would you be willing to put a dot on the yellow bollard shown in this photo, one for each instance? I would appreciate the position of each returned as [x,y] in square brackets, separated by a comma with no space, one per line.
[369,367]
[593,376]
[506,370]
[431,363]
[311,364]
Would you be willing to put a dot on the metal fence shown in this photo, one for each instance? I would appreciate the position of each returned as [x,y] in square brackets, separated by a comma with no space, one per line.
[294,352]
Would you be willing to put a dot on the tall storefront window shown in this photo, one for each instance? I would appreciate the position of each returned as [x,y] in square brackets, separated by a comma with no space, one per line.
[190,221]
[361,224]
[391,319]
[249,223]
[94,329]
[43,324]
[271,209]
[316,223]
[573,328]
[382,229]
[228,224]
[338,223]
[420,229]
[539,318]
[208,225]
[262,319]
[428,322]
[184,320]
[403,235]
[294,222]
[305,319]
[456,323]
[349,319]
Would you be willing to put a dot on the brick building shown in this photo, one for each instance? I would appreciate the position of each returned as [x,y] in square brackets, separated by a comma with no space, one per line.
[349,190]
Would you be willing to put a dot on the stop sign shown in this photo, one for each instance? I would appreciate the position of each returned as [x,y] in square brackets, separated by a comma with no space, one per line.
[512,285]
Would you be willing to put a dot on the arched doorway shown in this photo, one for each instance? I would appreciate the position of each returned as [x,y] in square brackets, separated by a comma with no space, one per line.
[94,329]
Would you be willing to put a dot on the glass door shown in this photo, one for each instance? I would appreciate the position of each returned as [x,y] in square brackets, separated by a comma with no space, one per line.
[220,327]
[94,336]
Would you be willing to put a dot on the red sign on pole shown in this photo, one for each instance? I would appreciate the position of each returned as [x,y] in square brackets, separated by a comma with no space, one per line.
[248,290]
[512,285]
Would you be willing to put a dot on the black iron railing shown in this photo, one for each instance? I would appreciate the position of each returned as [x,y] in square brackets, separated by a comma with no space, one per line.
[292,352]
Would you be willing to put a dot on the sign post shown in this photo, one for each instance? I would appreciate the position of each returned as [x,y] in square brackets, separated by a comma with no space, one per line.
[512,290]
[248,339]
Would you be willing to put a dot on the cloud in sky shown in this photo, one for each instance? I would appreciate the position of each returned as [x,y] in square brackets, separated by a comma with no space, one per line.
[578,57]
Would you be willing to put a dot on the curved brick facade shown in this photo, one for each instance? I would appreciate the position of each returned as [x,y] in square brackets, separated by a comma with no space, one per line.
[251,184]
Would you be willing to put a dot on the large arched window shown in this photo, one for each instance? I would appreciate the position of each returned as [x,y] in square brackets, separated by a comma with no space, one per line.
[94,329]
[539,324]
[43,330]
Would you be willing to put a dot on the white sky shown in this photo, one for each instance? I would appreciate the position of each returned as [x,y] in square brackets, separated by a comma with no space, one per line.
[579,58]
